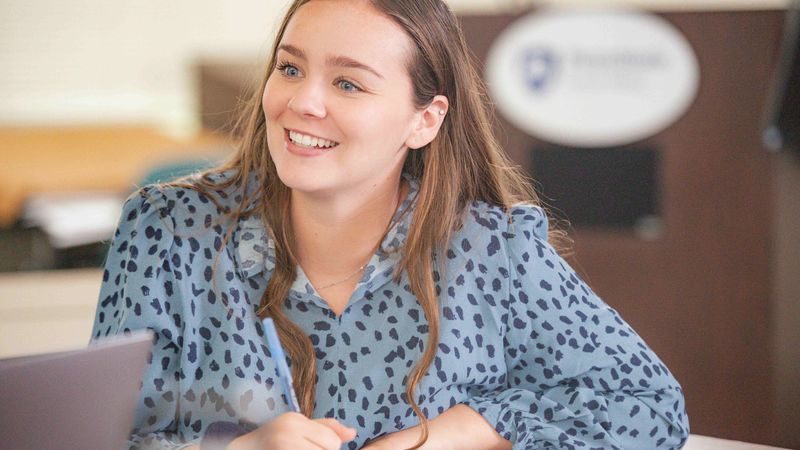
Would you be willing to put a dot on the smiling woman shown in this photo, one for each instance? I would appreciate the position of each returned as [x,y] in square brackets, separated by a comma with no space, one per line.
[410,273]
[351,89]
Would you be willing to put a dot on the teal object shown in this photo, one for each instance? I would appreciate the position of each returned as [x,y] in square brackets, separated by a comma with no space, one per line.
[172,171]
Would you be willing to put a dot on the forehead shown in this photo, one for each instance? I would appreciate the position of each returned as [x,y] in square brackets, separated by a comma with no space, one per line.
[352,28]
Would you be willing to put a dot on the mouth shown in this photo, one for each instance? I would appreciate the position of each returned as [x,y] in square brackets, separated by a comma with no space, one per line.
[309,140]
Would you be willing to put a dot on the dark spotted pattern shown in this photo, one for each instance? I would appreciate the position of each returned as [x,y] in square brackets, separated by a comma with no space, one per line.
[523,340]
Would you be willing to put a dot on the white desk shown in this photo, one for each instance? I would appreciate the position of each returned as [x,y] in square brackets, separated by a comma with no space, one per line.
[697,442]
[44,312]
[50,311]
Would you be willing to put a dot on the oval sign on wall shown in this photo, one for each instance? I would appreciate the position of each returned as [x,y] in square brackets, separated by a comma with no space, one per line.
[590,78]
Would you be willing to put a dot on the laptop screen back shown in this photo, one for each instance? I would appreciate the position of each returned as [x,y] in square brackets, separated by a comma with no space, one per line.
[81,399]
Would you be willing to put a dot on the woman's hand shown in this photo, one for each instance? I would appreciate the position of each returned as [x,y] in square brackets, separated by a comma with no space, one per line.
[294,431]
[457,428]
[397,441]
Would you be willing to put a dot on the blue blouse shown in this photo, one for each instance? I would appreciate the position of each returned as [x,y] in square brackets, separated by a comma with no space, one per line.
[524,341]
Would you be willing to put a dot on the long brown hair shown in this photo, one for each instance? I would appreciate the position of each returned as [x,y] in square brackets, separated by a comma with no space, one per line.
[463,164]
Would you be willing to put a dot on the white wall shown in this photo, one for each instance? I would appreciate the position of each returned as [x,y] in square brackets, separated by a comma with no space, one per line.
[87,61]
[130,61]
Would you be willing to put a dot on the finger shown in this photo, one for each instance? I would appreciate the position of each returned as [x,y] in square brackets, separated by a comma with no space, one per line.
[303,444]
[330,442]
[344,432]
[323,436]
[294,431]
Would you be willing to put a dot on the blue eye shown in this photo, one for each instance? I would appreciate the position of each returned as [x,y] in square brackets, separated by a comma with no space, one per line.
[347,86]
[288,70]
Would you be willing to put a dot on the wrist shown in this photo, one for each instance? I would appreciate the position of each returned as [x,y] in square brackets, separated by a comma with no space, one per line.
[437,438]
[239,443]
[463,427]
[399,440]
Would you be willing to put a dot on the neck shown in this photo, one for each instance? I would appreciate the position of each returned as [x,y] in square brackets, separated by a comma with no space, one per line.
[335,235]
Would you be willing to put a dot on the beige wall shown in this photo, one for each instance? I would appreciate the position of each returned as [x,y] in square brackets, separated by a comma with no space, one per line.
[90,61]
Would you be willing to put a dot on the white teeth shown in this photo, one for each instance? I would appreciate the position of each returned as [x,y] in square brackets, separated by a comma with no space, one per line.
[310,141]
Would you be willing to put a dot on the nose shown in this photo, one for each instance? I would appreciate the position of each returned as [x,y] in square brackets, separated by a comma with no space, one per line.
[308,100]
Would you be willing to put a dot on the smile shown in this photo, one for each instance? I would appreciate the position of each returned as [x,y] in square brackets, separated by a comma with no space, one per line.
[309,141]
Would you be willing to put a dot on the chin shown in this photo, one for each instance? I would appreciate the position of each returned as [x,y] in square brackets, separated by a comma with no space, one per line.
[302,181]
[304,176]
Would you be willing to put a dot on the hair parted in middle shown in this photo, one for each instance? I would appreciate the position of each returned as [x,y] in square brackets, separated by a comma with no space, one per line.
[463,164]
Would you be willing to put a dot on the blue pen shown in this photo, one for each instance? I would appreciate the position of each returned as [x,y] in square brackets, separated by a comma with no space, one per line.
[284,373]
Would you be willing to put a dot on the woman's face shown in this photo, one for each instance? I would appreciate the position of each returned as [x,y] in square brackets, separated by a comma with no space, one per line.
[338,104]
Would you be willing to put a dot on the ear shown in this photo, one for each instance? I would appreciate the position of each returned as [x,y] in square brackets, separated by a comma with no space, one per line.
[427,122]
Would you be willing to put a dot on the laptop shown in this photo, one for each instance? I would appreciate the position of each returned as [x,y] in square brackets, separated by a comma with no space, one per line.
[82,399]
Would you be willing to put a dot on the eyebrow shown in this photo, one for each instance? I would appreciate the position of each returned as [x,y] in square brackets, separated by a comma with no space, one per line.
[337,61]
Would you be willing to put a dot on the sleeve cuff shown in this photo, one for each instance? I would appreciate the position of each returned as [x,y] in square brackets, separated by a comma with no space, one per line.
[219,434]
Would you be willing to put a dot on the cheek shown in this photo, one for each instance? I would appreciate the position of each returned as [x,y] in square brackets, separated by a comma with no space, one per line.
[272,100]
[390,125]
[380,117]
[273,105]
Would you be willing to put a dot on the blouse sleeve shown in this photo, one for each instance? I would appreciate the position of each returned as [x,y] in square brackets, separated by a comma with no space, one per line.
[138,291]
[579,377]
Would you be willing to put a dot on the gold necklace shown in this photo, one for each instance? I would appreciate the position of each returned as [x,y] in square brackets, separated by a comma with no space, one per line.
[343,279]
[389,227]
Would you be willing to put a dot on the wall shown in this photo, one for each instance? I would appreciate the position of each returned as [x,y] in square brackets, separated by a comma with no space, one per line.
[90,61]
[786,311]
[87,61]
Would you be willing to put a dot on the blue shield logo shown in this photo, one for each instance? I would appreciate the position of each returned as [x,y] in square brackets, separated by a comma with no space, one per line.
[538,67]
